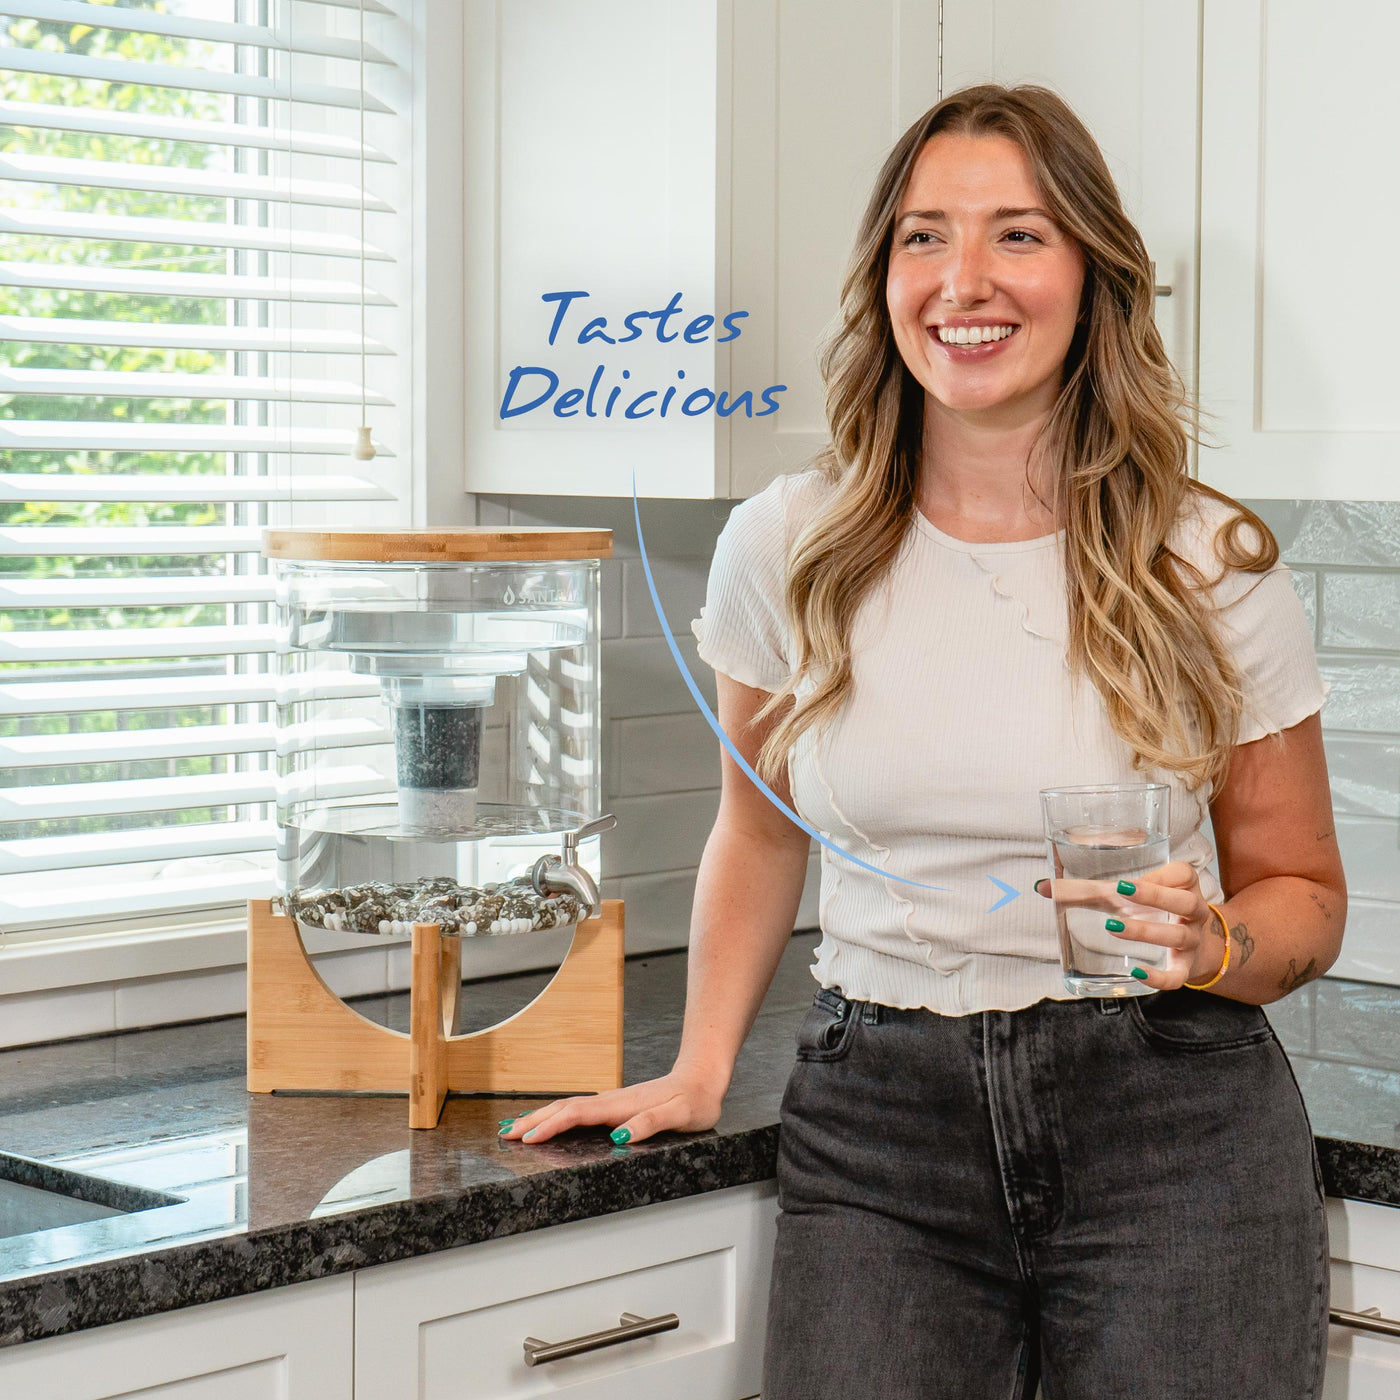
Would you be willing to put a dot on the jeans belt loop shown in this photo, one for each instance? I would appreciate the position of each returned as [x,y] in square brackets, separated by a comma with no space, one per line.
[870,1013]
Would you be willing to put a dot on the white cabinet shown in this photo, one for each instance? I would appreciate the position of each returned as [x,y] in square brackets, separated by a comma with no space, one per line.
[1298,359]
[290,1344]
[721,150]
[454,1325]
[1363,1365]
[1296,362]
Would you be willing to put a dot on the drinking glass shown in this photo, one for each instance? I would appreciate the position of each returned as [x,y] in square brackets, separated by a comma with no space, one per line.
[1104,834]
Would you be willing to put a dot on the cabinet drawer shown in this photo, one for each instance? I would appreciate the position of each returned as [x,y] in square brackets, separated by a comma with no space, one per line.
[288,1344]
[1365,1246]
[455,1323]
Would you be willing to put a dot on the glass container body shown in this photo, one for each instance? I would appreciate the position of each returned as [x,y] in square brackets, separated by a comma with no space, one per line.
[434,720]
[1096,835]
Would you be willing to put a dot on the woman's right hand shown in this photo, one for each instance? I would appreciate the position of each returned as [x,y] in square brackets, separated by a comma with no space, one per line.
[676,1102]
[747,892]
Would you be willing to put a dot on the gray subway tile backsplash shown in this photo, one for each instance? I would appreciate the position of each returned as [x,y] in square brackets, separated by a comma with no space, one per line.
[1361,610]
[1358,1022]
[1292,1019]
[1345,557]
[1334,534]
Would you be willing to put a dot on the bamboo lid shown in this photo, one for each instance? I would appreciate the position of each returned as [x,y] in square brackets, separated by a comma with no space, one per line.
[465,544]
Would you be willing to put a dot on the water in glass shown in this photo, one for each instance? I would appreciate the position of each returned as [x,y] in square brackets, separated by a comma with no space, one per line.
[1096,962]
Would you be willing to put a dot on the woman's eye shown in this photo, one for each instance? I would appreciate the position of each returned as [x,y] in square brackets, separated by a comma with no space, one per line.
[1026,233]
[917,236]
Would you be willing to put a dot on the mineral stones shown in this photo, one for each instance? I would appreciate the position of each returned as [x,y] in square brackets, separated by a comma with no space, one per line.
[459,910]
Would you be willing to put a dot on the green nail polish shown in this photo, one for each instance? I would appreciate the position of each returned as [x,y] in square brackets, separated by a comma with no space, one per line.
[1126,887]
[620,1135]
[1114,925]
[1139,974]
[505,1122]
[501,1132]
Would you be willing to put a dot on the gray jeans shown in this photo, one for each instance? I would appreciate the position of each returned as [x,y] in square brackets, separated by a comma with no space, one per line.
[1118,1200]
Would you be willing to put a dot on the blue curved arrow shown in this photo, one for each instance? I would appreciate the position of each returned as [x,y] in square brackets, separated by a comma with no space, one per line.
[714,723]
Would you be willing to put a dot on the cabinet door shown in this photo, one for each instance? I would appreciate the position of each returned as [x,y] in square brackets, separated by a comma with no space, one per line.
[454,1324]
[819,92]
[1365,1242]
[1128,69]
[590,168]
[1374,1376]
[718,151]
[288,1344]
[1298,355]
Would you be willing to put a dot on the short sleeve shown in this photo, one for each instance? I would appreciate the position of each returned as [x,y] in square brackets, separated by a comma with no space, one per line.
[741,628]
[1270,638]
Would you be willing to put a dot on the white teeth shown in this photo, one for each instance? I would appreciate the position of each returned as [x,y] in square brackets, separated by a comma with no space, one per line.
[972,335]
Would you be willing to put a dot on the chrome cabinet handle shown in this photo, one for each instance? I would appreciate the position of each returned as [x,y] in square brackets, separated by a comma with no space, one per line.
[632,1327]
[1157,288]
[1368,1321]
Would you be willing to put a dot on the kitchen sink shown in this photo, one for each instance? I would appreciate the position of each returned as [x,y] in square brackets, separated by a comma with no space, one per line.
[37,1196]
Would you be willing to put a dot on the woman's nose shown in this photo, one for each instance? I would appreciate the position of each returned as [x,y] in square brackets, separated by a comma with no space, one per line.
[967,274]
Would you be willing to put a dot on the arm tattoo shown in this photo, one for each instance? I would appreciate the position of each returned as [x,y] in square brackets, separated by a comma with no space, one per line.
[1242,936]
[1294,977]
[1321,903]
[1331,831]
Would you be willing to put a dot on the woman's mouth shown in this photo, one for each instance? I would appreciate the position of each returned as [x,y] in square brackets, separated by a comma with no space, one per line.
[990,342]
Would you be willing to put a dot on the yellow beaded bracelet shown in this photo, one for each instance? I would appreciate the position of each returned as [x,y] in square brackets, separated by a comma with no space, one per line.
[1225,933]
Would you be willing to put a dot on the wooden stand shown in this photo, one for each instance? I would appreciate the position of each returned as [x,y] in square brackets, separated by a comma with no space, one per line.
[302,1036]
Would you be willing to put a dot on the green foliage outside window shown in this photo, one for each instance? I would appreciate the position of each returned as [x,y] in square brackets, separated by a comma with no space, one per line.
[112,306]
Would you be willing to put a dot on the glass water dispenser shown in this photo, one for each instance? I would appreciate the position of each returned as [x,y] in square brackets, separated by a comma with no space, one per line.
[438,728]
[438,765]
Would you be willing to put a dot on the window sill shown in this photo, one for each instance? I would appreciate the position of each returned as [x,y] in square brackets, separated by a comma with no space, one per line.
[77,960]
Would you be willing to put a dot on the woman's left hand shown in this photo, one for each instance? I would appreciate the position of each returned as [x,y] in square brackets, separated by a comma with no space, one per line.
[1193,941]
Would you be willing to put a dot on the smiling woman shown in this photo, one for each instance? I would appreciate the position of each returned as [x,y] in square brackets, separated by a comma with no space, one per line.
[986,1179]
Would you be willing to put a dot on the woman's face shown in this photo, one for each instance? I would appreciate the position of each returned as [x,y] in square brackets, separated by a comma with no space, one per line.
[970,250]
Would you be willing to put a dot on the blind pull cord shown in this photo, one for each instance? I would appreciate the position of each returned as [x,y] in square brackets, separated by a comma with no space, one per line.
[364,444]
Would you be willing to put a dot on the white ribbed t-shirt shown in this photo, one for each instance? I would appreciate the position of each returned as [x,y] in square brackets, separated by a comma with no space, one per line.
[962,711]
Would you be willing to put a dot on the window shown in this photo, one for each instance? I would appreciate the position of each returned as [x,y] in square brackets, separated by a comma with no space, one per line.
[200,297]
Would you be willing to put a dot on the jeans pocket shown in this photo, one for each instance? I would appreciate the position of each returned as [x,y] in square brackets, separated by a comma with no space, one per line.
[828,1027]
[1192,1022]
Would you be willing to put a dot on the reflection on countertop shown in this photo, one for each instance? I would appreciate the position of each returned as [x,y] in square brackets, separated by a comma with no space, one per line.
[276,1189]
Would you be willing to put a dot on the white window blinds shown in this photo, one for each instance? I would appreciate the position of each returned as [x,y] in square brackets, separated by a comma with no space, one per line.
[201,299]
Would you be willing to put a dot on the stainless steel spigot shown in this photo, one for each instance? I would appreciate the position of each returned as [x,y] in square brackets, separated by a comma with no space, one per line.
[554,875]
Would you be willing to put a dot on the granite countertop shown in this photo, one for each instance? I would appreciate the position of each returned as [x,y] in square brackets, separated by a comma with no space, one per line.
[238,1192]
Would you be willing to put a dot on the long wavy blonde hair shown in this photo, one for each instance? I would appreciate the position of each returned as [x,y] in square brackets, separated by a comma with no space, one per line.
[1116,440]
